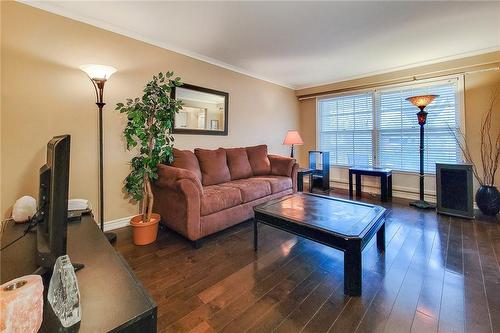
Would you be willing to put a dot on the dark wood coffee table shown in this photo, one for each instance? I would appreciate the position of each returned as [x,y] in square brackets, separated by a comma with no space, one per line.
[342,224]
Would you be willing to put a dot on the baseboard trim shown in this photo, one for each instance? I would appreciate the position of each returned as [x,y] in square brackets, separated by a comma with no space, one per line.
[117,224]
[397,191]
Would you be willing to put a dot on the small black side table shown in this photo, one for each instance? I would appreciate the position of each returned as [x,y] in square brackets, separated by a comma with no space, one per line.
[300,179]
[320,177]
[385,180]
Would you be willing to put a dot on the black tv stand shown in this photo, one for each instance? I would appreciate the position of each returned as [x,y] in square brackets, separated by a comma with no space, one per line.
[112,299]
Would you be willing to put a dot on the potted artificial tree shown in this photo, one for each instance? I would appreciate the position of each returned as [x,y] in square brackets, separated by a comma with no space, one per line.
[149,133]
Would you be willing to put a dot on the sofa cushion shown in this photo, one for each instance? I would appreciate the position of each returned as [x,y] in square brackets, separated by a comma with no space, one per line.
[213,165]
[257,156]
[187,160]
[251,188]
[278,183]
[238,164]
[216,198]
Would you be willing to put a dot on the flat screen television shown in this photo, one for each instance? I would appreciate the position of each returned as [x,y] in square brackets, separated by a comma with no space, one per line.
[53,204]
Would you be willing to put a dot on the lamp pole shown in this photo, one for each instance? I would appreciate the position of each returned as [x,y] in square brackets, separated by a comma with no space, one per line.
[423,115]
[98,75]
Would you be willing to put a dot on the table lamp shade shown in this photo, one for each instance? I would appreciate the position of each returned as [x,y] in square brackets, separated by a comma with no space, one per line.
[293,138]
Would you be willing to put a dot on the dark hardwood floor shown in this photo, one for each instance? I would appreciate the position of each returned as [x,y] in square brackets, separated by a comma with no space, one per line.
[438,274]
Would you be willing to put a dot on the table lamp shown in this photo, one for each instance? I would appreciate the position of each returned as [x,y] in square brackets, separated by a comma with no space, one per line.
[292,138]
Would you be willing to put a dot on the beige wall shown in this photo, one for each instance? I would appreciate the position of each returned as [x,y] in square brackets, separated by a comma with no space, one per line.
[477,89]
[45,94]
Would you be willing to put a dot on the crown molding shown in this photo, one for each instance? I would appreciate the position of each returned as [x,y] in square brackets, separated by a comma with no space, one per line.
[51,7]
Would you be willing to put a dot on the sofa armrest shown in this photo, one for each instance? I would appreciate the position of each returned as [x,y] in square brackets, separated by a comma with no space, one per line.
[281,165]
[168,176]
[177,198]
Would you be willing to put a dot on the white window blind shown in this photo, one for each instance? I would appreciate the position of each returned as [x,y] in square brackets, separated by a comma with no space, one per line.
[399,132]
[346,127]
[380,128]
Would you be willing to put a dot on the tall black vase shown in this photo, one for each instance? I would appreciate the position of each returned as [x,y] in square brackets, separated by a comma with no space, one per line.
[488,200]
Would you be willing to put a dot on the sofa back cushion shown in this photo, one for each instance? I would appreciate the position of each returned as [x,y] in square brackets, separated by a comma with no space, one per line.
[257,156]
[213,165]
[187,160]
[238,164]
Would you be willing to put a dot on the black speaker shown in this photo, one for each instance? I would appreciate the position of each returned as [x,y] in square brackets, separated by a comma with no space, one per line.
[454,190]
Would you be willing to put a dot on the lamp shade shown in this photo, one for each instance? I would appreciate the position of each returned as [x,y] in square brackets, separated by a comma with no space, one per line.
[422,101]
[98,72]
[293,138]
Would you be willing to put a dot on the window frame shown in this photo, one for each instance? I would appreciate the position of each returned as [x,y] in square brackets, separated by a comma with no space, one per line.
[375,91]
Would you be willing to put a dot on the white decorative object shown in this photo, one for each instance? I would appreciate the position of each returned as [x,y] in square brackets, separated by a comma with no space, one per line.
[24,208]
[63,294]
[78,204]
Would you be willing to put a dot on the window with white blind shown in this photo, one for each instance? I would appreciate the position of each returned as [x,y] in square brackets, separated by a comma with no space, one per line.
[380,128]
[346,129]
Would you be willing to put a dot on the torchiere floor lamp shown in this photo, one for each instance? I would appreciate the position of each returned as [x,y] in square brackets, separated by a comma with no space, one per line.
[421,102]
[98,75]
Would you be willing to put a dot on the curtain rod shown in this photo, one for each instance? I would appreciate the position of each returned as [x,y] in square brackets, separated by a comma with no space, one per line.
[405,79]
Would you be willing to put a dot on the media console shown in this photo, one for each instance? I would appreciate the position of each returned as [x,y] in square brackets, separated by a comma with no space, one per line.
[112,299]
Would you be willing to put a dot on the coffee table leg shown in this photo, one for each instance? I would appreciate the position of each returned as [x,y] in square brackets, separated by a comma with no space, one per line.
[352,271]
[381,238]
[255,235]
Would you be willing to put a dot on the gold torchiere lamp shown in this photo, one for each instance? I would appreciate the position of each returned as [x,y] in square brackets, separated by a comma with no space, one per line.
[98,75]
[421,102]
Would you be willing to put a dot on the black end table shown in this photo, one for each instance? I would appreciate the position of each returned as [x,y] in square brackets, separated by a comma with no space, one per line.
[385,180]
[342,224]
[300,178]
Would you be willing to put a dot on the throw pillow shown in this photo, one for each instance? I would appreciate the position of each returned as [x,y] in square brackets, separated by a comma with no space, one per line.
[213,165]
[186,159]
[257,156]
[237,161]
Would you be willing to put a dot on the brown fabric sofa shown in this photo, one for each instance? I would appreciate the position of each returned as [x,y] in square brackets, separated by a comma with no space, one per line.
[207,191]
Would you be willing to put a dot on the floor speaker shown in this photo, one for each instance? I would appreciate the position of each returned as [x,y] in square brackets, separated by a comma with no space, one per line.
[454,190]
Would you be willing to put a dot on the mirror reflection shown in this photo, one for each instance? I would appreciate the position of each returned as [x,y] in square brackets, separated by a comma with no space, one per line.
[204,111]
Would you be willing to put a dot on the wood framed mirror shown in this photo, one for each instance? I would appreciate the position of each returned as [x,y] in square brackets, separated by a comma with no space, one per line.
[204,111]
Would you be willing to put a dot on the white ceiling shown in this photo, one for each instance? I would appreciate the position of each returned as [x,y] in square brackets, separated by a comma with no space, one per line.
[301,44]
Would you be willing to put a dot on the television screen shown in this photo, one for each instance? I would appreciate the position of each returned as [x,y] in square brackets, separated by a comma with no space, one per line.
[53,202]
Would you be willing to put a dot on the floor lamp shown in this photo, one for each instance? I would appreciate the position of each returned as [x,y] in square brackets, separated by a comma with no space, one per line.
[98,75]
[421,102]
